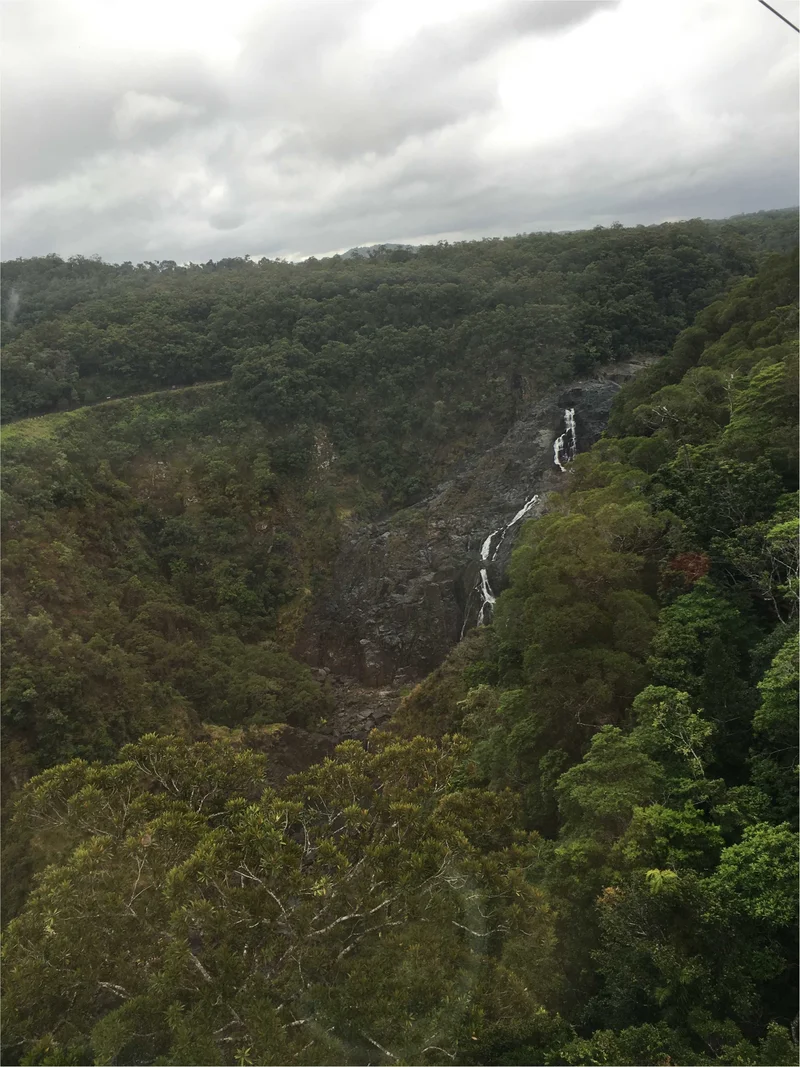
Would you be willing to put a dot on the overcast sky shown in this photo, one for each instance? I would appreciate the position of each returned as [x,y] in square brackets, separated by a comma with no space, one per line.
[189,130]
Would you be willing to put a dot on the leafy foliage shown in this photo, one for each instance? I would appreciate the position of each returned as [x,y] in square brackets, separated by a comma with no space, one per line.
[199,916]
[600,867]
[406,359]
[153,564]
[639,688]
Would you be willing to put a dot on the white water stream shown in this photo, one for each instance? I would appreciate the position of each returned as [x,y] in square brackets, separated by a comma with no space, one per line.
[564,449]
[488,599]
[565,446]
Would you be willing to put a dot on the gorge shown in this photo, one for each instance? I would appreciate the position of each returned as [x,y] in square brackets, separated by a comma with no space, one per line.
[528,506]
[404,591]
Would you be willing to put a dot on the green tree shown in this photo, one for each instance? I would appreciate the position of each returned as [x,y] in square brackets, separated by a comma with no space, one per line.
[370,912]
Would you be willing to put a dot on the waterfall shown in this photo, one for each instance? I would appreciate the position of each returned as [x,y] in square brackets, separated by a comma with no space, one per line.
[487,544]
[564,449]
[488,599]
[523,511]
[565,446]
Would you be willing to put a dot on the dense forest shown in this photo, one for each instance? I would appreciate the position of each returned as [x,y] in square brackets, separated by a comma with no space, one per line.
[576,843]
[418,350]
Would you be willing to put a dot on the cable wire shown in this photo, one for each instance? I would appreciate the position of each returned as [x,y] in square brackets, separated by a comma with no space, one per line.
[780,16]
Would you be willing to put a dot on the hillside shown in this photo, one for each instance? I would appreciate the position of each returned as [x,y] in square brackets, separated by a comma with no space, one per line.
[154,544]
[638,692]
[306,480]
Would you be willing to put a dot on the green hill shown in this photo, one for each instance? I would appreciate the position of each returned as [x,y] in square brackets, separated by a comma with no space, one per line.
[576,844]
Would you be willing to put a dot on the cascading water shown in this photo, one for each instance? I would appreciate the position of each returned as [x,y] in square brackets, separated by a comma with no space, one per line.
[523,511]
[564,449]
[565,446]
[488,599]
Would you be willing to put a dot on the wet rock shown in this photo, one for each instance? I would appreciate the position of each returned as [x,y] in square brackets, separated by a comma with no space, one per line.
[405,590]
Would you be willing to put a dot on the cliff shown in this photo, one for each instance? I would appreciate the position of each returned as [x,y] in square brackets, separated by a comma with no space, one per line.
[403,591]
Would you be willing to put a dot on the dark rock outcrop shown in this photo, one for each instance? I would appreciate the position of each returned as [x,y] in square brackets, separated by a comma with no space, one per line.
[356,711]
[403,591]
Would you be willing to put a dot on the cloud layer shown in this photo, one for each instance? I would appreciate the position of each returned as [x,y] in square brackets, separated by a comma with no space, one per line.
[188,131]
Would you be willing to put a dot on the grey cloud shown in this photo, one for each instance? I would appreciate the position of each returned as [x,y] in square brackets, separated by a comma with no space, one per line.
[299,67]
[48,130]
[227,220]
[372,103]
[312,141]
[472,39]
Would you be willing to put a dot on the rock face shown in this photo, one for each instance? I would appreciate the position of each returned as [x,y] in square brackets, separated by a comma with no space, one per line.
[405,590]
[357,711]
